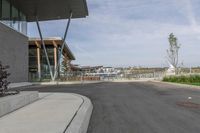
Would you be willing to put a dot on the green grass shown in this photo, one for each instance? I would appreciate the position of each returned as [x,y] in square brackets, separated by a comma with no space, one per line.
[189,79]
[196,84]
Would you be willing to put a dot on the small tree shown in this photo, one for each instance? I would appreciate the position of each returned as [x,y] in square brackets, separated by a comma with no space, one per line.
[65,65]
[3,79]
[173,51]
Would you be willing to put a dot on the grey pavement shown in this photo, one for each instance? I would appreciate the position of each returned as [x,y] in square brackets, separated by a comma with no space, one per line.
[137,107]
[51,114]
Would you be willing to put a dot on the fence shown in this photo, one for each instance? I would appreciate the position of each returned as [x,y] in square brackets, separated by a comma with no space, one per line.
[81,76]
[134,76]
[78,76]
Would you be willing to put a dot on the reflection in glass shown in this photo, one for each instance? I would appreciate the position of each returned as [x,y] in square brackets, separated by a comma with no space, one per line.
[15,18]
[5,16]
[12,17]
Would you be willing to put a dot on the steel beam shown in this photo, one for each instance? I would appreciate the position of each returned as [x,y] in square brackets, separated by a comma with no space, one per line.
[62,47]
[44,47]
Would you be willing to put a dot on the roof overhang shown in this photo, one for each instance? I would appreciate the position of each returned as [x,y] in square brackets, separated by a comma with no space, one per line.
[50,41]
[51,9]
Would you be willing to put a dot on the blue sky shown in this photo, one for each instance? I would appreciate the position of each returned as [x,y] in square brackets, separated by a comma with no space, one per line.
[131,32]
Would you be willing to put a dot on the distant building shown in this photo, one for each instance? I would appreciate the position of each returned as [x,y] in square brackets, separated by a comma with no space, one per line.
[90,69]
[38,67]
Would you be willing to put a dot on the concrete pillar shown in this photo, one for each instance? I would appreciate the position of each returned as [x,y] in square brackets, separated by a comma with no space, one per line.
[55,58]
[39,63]
[38,59]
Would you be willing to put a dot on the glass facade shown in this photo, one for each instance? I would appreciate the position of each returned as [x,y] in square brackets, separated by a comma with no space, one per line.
[33,64]
[12,17]
[44,65]
[33,67]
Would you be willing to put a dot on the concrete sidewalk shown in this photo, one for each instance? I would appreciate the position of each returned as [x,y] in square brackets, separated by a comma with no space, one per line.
[53,113]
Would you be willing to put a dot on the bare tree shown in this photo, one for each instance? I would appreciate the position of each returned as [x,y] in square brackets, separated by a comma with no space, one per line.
[173,51]
[65,65]
[3,79]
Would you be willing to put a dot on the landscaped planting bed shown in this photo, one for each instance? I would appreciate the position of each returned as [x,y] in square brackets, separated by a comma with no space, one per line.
[4,82]
[184,79]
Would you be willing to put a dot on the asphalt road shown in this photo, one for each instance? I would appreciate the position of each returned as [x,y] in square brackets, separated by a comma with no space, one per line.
[137,107]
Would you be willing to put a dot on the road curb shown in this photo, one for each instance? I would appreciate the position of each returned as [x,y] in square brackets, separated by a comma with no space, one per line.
[66,83]
[81,120]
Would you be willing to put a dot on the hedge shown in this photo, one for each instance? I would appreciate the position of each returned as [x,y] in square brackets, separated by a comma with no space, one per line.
[183,79]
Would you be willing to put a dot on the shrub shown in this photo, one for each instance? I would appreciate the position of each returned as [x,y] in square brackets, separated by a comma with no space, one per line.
[3,79]
[183,79]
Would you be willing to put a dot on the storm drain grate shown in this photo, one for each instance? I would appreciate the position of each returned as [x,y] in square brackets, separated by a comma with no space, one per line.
[188,104]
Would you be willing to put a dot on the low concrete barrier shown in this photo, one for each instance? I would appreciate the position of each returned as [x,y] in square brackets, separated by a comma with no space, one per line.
[21,84]
[11,103]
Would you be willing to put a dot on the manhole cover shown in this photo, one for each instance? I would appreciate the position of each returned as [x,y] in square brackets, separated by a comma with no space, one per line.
[188,104]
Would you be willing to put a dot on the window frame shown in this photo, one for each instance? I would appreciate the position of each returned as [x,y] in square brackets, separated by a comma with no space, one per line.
[0,9]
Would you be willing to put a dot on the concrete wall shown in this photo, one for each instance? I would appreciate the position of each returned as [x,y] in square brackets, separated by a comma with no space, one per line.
[14,52]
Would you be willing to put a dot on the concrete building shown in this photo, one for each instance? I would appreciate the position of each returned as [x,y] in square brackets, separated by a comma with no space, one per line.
[38,67]
[14,16]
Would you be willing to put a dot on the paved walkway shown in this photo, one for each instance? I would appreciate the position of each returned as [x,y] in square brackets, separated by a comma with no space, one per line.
[51,114]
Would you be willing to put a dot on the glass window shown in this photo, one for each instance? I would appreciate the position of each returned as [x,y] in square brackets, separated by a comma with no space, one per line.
[32,59]
[50,52]
[33,64]
[12,17]
[15,18]
[0,8]
[22,23]
[5,12]
[44,66]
